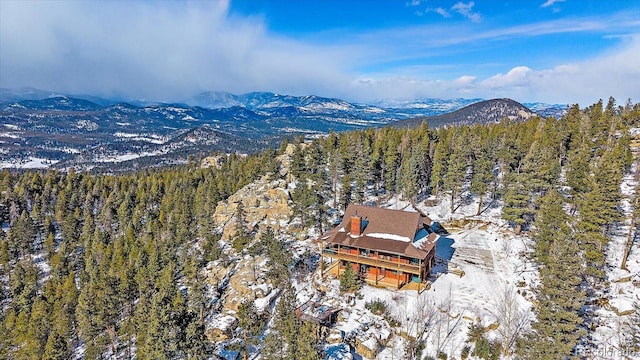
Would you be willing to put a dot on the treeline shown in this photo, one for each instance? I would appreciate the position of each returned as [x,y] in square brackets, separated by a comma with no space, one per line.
[110,264]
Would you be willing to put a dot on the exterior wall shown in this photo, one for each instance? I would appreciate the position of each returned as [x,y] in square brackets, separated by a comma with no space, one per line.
[404,277]
[373,271]
[351,251]
[354,266]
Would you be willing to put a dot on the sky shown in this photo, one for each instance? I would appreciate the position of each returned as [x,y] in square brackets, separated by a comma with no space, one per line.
[554,51]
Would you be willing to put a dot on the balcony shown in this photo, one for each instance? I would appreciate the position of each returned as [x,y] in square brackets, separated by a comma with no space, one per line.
[372,261]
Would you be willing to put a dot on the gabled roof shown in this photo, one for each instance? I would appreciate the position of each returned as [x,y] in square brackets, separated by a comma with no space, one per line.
[391,231]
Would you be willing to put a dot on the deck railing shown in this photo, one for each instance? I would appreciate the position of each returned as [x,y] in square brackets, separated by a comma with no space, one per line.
[392,264]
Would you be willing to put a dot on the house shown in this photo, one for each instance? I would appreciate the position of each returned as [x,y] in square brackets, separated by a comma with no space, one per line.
[385,247]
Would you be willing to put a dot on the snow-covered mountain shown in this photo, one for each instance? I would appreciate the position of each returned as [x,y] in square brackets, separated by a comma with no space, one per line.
[214,100]
[44,125]
[483,112]
[436,105]
[548,110]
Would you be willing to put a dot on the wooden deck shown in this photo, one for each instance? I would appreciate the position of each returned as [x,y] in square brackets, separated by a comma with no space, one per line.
[382,282]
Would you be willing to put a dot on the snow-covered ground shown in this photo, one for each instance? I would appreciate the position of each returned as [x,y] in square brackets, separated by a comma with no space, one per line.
[29,163]
[151,138]
[9,135]
[125,157]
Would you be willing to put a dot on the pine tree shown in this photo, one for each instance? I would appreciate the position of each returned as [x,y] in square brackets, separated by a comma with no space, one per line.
[558,327]
[22,235]
[455,175]
[305,200]
[56,348]
[241,237]
[551,221]
[349,280]
[39,328]
[282,341]
[250,326]
[346,191]
[440,161]
[482,176]
[632,330]
[517,207]
[307,346]
[23,285]
[578,171]
[391,161]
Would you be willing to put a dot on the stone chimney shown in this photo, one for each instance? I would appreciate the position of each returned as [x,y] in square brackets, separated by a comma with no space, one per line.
[356,225]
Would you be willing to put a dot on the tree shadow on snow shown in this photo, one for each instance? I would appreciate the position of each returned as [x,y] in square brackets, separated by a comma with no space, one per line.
[437,228]
[355,355]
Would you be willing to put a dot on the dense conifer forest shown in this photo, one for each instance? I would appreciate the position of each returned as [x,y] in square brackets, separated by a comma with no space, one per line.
[110,264]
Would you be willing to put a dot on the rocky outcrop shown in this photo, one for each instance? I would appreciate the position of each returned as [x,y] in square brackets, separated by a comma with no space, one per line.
[285,159]
[213,161]
[244,280]
[221,327]
[265,202]
[244,284]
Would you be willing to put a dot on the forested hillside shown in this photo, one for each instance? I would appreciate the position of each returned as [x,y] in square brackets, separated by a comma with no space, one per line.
[98,266]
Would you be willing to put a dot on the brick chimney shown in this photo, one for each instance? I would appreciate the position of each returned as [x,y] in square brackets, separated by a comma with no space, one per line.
[356,225]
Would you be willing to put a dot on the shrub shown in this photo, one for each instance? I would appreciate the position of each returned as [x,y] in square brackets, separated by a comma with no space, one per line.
[466,350]
[239,242]
[378,307]
[487,350]
[476,332]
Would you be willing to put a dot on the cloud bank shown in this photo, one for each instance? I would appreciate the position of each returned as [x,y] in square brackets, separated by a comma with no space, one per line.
[154,50]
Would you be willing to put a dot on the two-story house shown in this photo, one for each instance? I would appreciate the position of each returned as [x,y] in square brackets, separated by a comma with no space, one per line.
[385,247]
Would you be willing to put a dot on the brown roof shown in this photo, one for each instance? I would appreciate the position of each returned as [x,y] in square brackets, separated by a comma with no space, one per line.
[397,223]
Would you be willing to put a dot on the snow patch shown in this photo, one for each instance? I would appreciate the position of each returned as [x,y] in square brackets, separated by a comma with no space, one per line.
[29,163]
[9,135]
[389,237]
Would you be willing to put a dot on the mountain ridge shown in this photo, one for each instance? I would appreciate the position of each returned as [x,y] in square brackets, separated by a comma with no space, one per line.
[74,131]
[483,112]
[256,100]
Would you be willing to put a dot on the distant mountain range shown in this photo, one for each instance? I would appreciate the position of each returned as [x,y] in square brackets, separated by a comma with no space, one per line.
[91,132]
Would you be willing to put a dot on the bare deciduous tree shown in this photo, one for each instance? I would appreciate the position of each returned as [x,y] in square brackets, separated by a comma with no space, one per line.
[511,317]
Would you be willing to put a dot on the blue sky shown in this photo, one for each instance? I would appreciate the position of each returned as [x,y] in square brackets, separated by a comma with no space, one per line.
[571,51]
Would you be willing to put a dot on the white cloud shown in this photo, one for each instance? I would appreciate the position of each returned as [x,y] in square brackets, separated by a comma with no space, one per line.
[441,11]
[465,80]
[550,3]
[517,77]
[466,10]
